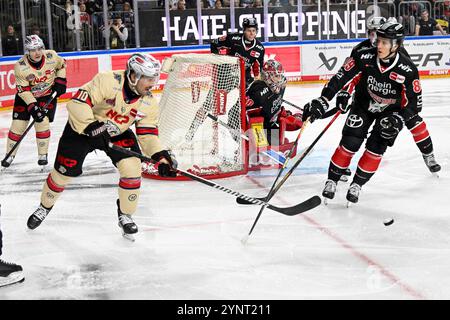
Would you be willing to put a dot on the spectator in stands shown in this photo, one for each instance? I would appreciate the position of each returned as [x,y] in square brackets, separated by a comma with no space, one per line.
[118,33]
[37,31]
[11,43]
[218,4]
[181,5]
[426,25]
[257,4]
[246,3]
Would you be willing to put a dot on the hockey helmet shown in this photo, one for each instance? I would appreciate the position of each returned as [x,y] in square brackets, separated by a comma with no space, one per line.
[375,23]
[273,75]
[143,65]
[33,42]
[249,23]
[393,31]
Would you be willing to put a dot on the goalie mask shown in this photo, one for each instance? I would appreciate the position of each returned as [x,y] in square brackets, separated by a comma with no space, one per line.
[273,75]
[143,66]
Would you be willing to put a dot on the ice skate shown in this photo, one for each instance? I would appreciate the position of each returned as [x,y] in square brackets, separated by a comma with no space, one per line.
[329,191]
[353,193]
[431,163]
[10,273]
[126,224]
[37,217]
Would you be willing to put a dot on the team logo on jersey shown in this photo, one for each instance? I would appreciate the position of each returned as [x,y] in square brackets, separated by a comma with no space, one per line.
[30,77]
[367,56]
[354,121]
[111,102]
[397,77]
[349,64]
[255,54]
[49,55]
[117,77]
[405,67]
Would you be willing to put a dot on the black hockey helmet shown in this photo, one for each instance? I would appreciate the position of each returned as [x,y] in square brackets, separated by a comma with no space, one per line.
[249,23]
[393,31]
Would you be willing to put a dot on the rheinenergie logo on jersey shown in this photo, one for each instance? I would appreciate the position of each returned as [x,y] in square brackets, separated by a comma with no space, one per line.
[381,87]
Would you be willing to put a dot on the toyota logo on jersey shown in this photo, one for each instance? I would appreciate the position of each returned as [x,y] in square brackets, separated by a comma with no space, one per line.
[354,121]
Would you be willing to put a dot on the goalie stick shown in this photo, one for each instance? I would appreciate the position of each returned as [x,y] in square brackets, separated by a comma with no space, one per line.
[288,211]
[303,156]
[278,157]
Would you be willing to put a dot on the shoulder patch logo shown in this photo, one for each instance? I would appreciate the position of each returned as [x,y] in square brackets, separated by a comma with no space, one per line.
[118,77]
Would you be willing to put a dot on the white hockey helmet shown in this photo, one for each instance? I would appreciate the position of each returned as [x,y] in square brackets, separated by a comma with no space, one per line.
[273,75]
[33,42]
[143,65]
[375,23]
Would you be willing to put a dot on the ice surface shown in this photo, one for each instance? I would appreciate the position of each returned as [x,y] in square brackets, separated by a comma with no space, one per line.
[189,243]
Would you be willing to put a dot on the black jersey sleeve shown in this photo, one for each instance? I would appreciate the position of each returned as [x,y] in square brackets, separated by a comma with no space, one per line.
[223,42]
[411,95]
[348,73]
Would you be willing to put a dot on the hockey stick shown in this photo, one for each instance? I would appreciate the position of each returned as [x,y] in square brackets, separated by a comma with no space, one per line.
[26,131]
[270,194]
[289,211]
[277,157]
[303,156]
[292,105]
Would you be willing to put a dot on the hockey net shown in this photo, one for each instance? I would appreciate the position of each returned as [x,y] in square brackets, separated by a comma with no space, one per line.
[199,84]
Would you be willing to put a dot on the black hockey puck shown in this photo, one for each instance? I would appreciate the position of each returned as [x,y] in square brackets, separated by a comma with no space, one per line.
[388,222]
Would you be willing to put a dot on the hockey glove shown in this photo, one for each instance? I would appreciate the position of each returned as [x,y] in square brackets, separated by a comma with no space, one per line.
[342,100]
[98,134]
[36,112]
[315,109]
[166,169]
[59,86]
[391,126]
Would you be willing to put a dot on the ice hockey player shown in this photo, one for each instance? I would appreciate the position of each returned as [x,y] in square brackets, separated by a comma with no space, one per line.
[9,272]
[388,93]
[102,111]
[415,124]
[39,73]
[244,45]
[264,98]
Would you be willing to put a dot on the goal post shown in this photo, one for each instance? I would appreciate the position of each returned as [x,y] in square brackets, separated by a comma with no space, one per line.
[199,84]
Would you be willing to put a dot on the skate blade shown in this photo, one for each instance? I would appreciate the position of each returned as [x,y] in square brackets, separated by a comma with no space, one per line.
[325,201]
[15,277]
[129,237]
[43,168]
[343,179]
[435,174]
[349,204]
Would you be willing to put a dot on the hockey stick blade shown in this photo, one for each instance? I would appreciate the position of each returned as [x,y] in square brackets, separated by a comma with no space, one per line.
[309,204]
[306,205]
